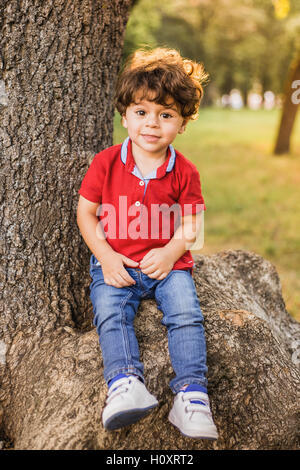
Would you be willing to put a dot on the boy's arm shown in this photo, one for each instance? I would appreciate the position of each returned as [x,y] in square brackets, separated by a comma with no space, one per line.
[112,263]
[90,228]
[185,235]
[158,262]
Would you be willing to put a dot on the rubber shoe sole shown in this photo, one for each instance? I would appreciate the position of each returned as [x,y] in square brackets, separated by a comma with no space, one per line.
[212,436]
[125,418]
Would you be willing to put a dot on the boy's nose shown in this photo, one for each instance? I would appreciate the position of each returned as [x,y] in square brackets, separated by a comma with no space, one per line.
[152,121]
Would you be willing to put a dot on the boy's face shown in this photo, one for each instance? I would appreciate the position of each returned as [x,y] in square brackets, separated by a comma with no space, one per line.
[152,127]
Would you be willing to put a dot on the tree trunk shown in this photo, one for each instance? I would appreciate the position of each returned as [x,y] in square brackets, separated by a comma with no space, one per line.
[58,65]
[289,111]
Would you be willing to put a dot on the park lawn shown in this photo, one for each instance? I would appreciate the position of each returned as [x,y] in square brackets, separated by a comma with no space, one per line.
[252,197]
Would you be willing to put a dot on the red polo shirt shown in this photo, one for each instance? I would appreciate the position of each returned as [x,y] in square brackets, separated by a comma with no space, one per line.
[138,214]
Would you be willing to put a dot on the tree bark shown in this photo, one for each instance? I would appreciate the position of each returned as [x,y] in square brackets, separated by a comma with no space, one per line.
[58,65]
[289,111]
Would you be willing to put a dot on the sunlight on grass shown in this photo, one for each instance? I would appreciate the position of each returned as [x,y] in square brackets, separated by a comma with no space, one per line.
[252,197]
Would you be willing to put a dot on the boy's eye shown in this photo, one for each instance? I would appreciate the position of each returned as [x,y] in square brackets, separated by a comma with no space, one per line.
[166,115]
[140,112]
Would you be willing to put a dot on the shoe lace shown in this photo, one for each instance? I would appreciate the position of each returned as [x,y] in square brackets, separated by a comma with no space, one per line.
[121,387]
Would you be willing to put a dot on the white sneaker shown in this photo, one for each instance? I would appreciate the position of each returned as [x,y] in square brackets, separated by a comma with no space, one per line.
[193,419]
[128,401]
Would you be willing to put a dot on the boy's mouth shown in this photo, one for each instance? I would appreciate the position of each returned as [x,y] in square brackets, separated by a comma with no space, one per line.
[150,137]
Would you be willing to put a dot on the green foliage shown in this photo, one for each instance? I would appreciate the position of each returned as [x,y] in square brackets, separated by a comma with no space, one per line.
[144,21]
[240,42]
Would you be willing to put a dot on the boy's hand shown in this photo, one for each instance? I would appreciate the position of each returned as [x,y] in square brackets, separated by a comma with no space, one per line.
[157,263]
[113,269]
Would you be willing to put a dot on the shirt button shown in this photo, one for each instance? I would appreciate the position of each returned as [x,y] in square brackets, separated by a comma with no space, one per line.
[141,183]
[137,203]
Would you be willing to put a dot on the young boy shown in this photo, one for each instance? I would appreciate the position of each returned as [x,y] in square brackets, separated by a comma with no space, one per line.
[139,204]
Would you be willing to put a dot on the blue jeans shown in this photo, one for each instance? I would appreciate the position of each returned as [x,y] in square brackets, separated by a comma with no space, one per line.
[114,311]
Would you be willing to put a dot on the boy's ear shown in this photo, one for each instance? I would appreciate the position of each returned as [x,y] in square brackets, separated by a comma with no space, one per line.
[183,126]
[124,121]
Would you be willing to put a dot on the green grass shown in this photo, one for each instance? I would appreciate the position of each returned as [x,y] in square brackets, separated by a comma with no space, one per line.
[252,197]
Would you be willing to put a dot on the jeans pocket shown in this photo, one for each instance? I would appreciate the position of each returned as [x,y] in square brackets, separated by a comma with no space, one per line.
[94,262]
[95,268]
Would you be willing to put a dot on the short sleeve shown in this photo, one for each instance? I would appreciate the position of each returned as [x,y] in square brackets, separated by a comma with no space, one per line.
[191,199]
[92,183]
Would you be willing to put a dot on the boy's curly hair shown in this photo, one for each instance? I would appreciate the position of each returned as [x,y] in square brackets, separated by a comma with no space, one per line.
[161,73]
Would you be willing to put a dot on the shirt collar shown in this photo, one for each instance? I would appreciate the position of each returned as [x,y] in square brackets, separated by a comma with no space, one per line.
[128,160]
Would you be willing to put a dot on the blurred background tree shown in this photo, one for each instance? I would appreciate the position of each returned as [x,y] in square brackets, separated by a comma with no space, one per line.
[290,104]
